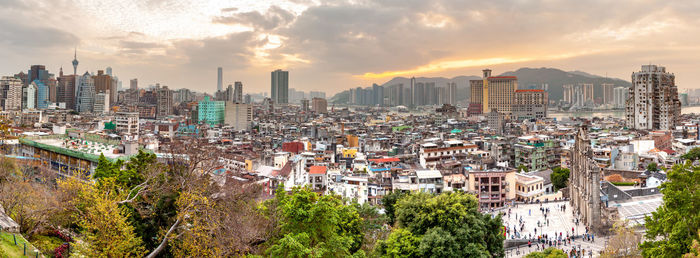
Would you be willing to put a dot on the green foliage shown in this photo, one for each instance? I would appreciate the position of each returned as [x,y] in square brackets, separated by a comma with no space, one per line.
[673,226]
[315,226]
[389,202]
[46,244]
[559,177]
[623,183]
[522,167]
[652,167]
[548,253]
[693,154]
[446,225]
[132,175]
[400,243]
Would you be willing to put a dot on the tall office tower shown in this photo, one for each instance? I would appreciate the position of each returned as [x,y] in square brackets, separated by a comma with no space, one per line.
[413,92]
[101,105]
[164,102]
[238,92]
[29,97]
[38,72]
[530,104]
[105,84]
[653,102]
[75,62]
[568,95]
[85,93]
[134,84]
[497,92]
[11,98]
[607,89]
[588,93]
[452,93]
[279,86]
[319,105]
[42,94]
[65,91]
[219,79]
[620,97]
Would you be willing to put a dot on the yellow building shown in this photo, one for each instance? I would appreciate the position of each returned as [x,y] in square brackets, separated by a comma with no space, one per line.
[528,188]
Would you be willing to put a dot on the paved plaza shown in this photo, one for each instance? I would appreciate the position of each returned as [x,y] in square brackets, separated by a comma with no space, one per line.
[557,223]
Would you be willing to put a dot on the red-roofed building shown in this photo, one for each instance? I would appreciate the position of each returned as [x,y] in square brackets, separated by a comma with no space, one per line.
[317,178]
[385,160]
[493,93]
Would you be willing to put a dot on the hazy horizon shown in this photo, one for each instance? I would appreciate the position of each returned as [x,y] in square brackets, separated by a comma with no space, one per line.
[335,45]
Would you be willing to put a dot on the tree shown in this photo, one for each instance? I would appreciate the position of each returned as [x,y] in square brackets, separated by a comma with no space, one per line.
[103,223]
[548,253]
[316,226]
[624,242]
[694,249]
[559,177]
[522,167]
[447,225]
[400,243]
[389,202]
[652,167]
[693,154]
[673,226]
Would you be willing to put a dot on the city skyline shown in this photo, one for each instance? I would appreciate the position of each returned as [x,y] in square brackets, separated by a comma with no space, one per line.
[345,45]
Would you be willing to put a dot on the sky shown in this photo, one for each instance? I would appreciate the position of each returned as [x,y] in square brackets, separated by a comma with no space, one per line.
[335,45]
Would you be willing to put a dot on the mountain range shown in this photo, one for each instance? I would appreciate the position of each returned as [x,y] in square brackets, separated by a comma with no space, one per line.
[527,78]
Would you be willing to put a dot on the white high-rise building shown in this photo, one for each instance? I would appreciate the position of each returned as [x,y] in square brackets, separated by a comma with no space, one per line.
[11,88]
[101,105]
[29,97]
[619,97]
[653,100]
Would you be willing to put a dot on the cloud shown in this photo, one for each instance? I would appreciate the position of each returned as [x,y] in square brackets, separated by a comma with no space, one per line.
[23,36]
[234,51]
[273,18]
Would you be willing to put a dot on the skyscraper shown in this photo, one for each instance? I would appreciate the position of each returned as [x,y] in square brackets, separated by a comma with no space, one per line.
[279,86]
[104,83]
[85,94]
[164,102]
[134,84]
[452,93]
[219,79]
[620,97]
[238,92]
[29,97]
[42,94]
[497,92]
[607,89]
[530,104]
[11,98]
[653,102]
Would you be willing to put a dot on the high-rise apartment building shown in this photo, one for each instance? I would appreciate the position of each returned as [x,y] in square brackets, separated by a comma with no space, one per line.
[279,88]
[101,104]
[219,79]
[620,97]
[607,89]
[497,93]
[653,102]
[568,93]
[134,84]
[238,92]
[530,104]
[211,112]
[238,115]
[85,93]
[588,93]
[29,97]
[11,90]
[452,93]
[164,102]
[319,105]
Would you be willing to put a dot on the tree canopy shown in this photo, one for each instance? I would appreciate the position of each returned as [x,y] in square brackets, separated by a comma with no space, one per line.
[445,225]
[559,177]
[674,225]
[548,253]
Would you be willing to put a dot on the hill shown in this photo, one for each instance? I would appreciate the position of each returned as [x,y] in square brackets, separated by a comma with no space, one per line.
[527,78]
